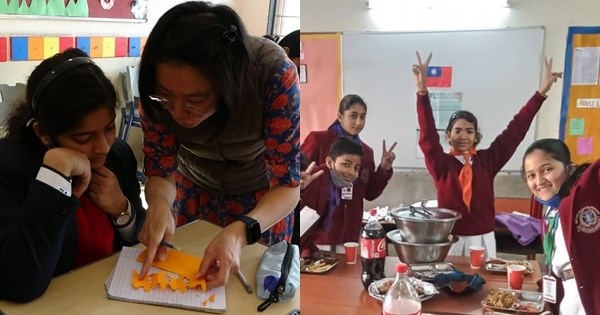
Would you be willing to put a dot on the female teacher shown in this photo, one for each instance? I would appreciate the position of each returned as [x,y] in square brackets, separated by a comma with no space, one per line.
[221,139]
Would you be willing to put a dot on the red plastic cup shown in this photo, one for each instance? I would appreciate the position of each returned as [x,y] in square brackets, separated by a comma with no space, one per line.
[477,253]
[351,251]
[515,273]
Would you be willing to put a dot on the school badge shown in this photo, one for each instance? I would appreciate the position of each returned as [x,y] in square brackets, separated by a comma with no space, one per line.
[588,219]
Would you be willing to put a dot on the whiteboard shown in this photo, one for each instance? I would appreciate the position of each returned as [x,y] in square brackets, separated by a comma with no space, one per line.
[496,71]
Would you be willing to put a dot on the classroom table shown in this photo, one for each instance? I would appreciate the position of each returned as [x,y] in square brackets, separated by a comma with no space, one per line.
[82,291]
[340,291]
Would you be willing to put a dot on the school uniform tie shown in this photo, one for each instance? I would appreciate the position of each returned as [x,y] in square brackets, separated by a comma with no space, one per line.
[465,177]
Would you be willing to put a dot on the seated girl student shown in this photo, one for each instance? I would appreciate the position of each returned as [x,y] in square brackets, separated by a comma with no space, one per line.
[331,195]
[220,116]
[68,190]
[572,229]
[351,119]
[464,177]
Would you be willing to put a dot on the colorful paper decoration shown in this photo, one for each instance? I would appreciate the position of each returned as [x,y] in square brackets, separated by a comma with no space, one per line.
[3,50]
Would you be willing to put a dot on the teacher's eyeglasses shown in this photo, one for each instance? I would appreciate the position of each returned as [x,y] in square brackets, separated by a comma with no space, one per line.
[191,107]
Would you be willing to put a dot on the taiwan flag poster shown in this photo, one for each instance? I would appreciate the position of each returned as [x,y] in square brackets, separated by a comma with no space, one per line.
[439,76]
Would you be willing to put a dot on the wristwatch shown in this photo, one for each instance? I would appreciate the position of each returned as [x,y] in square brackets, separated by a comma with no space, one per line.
[252,228]
[124,218]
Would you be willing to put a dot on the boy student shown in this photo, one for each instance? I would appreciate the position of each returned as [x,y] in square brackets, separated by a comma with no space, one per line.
[464,177]
[332,196]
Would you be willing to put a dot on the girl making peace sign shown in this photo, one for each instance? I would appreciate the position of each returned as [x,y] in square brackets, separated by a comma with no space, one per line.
[464,177]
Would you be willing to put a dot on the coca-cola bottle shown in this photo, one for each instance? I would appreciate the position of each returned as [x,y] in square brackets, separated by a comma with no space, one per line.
[372,250]
[401,297]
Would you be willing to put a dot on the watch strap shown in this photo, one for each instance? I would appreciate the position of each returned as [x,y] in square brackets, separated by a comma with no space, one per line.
[253,231]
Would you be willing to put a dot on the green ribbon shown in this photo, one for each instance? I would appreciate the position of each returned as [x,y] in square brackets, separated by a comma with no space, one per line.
[549,240]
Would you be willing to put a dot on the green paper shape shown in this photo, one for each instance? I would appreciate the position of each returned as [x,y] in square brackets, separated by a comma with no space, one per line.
[56,8]
[576,126]
[12,7]
[37,7]
[77,8]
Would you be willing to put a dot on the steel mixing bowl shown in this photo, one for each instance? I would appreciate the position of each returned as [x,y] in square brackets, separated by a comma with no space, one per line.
[422,225]
[412,253]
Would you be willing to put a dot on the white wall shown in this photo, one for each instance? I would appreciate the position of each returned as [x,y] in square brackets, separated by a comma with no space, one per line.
[555,15]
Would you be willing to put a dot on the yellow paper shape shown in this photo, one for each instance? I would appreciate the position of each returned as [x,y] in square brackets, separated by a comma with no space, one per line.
[162,280]
[212,298]
[178,262]
[108,47]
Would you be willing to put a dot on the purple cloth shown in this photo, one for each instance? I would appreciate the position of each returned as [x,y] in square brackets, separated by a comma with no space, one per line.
[524,229]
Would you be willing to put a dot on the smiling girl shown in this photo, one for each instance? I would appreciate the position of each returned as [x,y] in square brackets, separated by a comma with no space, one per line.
[68,190]
[572,229]
[464,177]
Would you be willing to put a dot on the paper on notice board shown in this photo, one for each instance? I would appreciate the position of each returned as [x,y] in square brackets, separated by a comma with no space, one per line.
[443,105]
[584,146]
[576,126]
[586,62]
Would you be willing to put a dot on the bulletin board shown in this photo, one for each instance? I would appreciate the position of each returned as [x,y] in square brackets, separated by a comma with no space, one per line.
[580,110]
[321,80]
[122,10]
[494,73]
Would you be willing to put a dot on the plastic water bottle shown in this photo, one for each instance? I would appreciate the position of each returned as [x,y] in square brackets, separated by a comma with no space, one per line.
[401,298]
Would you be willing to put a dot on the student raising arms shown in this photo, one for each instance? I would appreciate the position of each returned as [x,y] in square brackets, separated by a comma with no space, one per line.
[68,190]
[464,177]
[572,229]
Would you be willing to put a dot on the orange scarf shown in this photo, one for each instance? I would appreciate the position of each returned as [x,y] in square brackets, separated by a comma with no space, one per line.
[465,178]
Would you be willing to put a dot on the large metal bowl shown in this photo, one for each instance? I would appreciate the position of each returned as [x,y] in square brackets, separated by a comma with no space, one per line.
[423,225]
[412,253]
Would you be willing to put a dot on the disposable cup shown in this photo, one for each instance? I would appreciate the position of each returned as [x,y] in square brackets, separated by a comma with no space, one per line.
[515,275]
[476,254]
[351,251]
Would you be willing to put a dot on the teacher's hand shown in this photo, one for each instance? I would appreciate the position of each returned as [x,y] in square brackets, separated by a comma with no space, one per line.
[420,71]
[222,255]
[159,226]
[388,156]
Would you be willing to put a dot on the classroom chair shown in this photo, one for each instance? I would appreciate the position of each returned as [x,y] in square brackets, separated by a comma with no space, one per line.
[9,94]
[130,116]
[130,111]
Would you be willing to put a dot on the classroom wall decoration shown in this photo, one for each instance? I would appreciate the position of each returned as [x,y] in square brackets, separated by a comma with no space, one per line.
[581,94]
[491,73]
[23,48]
[133,10]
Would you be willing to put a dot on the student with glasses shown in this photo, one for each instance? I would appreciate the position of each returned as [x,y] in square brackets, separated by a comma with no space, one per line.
[220,114]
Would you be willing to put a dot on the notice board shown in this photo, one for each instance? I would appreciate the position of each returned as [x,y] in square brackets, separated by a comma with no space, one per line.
[580,110]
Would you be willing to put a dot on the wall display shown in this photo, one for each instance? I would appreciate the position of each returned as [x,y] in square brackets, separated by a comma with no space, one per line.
[581,94]
[124,10]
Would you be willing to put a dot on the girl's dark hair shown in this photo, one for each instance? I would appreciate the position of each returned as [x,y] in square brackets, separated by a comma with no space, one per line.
[559,151]
[210,38]
[468,116]
[343,146]
[349,100]
[65,101]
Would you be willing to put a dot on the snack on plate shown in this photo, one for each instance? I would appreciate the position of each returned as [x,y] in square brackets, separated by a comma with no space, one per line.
[385,286]
[318,266]
[501,299]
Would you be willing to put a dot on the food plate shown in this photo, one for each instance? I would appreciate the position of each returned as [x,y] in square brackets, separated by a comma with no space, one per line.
[378,288]
[320,265]
[499,265]
[429,271]
[514,302]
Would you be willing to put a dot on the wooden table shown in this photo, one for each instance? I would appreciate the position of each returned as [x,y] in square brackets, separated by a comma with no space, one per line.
[82,291]
[340,290]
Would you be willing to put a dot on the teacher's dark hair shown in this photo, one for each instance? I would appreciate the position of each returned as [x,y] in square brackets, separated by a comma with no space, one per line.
[210,38]
[64,101]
